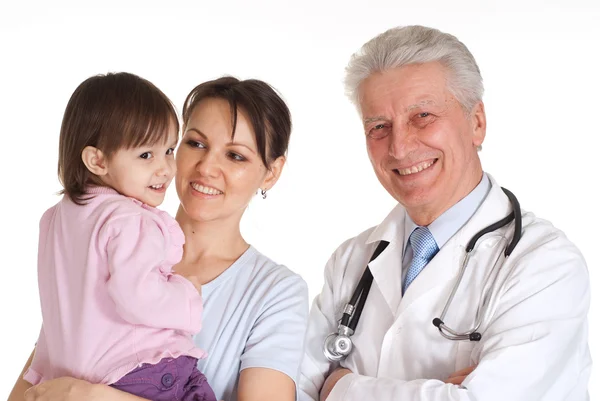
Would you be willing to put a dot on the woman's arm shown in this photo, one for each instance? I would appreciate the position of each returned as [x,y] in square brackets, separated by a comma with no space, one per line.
[70,389]
[263,384]
[18,391]
[270,362]
[65,389]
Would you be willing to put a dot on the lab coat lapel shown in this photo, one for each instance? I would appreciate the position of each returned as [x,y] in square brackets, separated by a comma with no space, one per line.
[387,274]
[387,268]
[446,263]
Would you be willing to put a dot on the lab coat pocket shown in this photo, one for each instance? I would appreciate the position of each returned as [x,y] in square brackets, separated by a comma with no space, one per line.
[464,351]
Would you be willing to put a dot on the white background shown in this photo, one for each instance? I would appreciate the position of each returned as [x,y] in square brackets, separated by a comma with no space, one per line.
[541,72]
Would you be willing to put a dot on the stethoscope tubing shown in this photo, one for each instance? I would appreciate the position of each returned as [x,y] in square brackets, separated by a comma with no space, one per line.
[354,307]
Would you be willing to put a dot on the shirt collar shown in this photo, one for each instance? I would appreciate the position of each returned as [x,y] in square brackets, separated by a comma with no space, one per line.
[452,220]
[102,190]
[99,190]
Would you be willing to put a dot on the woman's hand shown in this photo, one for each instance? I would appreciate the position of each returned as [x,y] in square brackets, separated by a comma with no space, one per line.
[61,389]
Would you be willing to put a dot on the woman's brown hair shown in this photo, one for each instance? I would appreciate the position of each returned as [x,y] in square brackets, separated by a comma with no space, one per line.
[267,112]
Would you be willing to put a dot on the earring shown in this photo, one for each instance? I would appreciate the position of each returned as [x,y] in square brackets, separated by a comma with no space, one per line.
[263,192]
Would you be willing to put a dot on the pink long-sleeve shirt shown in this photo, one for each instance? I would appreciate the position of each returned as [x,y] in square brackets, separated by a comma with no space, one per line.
[110,300]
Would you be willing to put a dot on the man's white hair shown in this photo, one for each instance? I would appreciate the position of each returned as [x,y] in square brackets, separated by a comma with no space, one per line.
[402,46]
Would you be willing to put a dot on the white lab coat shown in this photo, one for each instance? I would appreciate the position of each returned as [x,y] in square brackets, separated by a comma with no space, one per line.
[534,346]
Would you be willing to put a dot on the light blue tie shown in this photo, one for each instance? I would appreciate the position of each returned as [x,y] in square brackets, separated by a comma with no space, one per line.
[424,249]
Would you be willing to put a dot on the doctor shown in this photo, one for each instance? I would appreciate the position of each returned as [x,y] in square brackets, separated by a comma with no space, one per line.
[419,95]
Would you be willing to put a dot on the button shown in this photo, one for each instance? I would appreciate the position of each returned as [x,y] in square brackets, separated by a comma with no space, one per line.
[167,380]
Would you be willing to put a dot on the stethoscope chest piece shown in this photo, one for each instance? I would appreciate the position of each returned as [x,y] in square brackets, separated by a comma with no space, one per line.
[337,346]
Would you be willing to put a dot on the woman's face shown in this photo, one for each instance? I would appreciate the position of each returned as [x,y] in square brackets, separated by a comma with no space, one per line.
[218,175]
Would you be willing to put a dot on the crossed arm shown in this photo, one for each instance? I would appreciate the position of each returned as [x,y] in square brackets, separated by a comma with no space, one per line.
[536,342]
[455,378]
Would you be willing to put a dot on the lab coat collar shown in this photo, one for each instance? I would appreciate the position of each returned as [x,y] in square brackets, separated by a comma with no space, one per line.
[391,228]
[495,207]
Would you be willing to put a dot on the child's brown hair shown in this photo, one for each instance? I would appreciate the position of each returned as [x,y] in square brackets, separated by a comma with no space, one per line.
[109,112]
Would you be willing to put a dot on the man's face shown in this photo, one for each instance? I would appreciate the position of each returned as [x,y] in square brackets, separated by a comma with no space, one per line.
[421,142]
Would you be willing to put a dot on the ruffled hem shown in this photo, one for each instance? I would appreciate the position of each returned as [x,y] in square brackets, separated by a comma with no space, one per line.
[116,374]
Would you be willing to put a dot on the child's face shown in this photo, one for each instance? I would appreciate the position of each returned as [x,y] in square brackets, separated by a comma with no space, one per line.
[143,173]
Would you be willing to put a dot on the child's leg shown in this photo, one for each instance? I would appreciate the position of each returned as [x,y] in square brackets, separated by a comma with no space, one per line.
[167,380]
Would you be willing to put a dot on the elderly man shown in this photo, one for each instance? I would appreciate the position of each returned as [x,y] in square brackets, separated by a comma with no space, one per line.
[509,318]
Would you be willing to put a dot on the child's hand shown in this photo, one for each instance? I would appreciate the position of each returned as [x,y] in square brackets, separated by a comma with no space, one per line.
[194,280]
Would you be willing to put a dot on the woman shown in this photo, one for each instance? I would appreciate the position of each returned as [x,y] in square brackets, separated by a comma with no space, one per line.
[235,137]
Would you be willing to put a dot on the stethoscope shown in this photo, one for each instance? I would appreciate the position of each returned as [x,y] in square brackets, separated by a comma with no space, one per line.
[337,346]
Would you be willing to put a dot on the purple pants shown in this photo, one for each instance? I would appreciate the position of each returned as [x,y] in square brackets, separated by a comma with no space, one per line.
[170,379]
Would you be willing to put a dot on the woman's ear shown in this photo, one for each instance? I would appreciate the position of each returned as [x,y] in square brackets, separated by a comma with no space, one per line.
[94,160]
[273,173]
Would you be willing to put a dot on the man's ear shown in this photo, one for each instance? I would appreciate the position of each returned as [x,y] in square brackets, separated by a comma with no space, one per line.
[479,124]
[94,160]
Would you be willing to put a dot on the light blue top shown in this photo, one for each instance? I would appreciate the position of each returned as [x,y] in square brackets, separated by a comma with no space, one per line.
[448,224]
[255,315]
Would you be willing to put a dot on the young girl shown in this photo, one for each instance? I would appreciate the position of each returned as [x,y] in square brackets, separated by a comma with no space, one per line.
[113,310]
